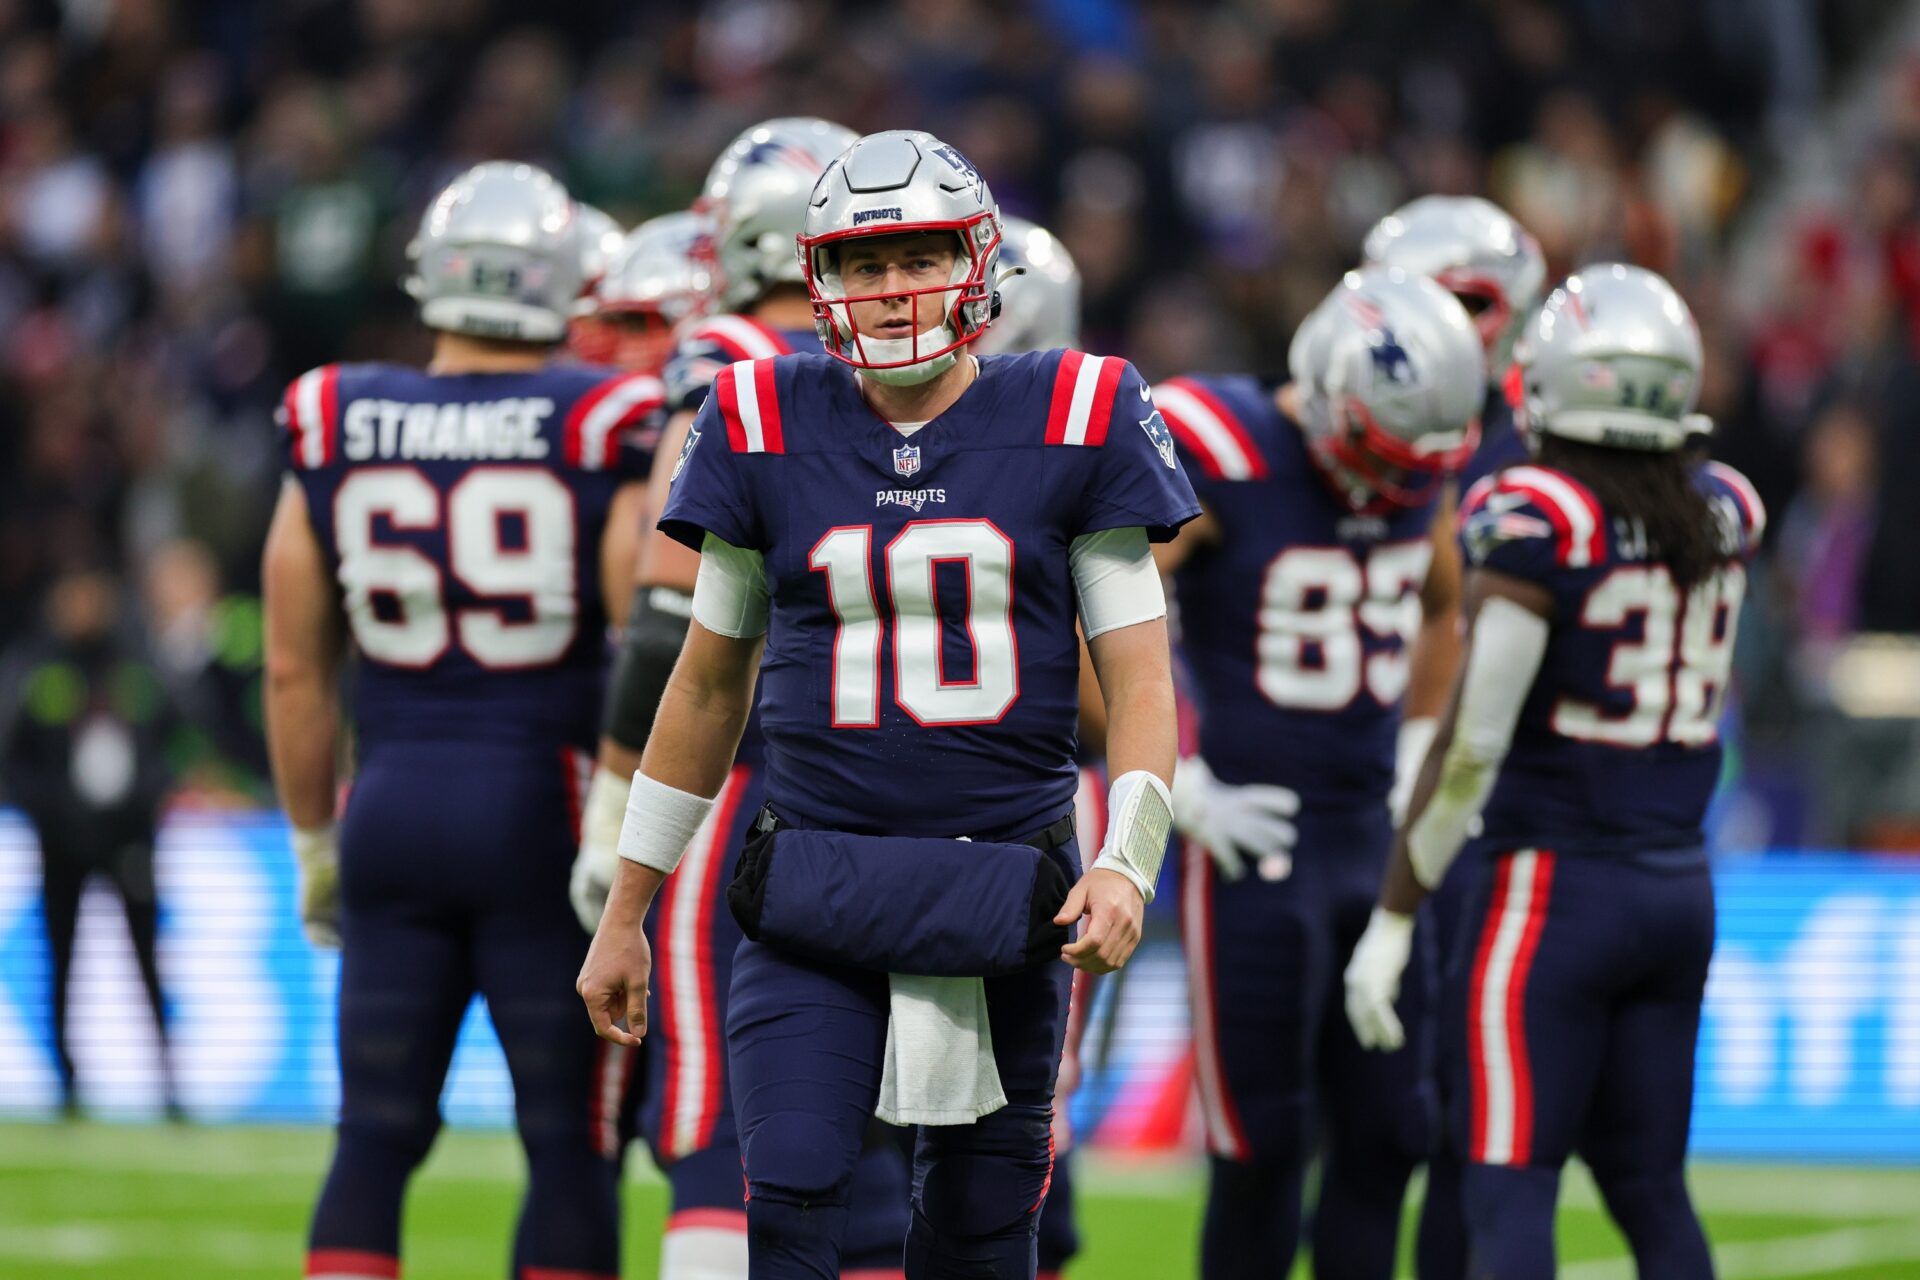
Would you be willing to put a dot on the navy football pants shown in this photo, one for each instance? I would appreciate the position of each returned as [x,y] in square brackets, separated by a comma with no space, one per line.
[1282,1078]
[686,1105]
[454,864]
[1577,1018]
[806,1043]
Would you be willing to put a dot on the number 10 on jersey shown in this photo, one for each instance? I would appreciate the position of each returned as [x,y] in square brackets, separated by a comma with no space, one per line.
[910,562]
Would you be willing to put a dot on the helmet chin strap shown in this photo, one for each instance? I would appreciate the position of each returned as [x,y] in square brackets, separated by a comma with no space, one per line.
[891,350]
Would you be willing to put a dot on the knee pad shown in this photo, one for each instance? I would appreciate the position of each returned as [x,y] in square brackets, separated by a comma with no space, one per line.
[984,1178]
[798,1159]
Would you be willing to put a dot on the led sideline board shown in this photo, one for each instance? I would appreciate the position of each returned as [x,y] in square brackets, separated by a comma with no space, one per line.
[1810,1048]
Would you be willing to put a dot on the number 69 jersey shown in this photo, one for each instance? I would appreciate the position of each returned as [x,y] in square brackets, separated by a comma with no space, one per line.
[1618,747]
[1296,624]
[921,667]
[462,515]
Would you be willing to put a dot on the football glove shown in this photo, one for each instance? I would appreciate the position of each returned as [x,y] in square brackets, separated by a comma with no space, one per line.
[1236,825]
[599,856]
[1373,980]
[317,850]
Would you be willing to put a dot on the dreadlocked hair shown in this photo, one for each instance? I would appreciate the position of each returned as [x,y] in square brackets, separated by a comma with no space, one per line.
[1655,491]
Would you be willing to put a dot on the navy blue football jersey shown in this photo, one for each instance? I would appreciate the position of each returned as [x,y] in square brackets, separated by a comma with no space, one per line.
[712,343]
[1296,625]
[1618,746]
[922,663]
[462,515]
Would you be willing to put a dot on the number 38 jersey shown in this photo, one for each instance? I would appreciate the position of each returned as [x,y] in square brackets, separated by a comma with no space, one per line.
[921,667]
[462,515]
[1618,746]
[1296,624]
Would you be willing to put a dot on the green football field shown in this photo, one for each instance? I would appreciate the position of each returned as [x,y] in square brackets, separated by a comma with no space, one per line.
[167,1203]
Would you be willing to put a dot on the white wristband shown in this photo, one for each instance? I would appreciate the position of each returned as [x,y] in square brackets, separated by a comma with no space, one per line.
[661,822]
[1139,820]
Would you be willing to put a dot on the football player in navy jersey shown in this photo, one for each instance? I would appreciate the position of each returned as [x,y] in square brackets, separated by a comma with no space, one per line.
[1603,593]
[1494,266]
[467,527]
[907,533]
[753,207]
[1311,592]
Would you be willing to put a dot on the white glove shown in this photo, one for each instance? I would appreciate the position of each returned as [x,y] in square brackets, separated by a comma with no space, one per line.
[1373,980]
[1236,825]
[599,856]
[317,850]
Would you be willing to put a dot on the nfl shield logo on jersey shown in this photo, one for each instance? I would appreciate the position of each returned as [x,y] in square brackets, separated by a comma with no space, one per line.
[1156,428]
[906,459]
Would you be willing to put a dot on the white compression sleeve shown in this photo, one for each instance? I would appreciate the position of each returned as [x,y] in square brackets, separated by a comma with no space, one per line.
[730,595]
[1504,655]
[1115,580]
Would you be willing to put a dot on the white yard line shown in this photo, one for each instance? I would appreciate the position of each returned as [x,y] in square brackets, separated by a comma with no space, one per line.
[1787,1257]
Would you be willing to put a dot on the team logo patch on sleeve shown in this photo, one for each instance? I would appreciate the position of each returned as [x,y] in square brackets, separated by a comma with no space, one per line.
[906,460]
[1500,521]
[686,451]
[1156,428]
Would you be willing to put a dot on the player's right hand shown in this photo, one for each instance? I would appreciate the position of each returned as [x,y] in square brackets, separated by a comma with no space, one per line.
[599,855]
[1372,980]
[613,981]
[317,850]
[1236,825]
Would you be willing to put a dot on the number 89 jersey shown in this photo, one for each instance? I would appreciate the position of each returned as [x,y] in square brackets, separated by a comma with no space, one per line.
[1296,624]
[462,515]
[921,669]
[1618,747]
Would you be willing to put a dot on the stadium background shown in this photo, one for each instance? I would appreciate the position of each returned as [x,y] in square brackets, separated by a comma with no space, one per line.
[198,201]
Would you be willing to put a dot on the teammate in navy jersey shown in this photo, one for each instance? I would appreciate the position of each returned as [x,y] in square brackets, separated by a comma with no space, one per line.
[1495,267]
[913,539]
[1605,585]
[467,526]
[751,210]
[1309,592]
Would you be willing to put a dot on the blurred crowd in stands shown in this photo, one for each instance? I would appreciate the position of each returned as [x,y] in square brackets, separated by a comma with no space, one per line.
[200,200]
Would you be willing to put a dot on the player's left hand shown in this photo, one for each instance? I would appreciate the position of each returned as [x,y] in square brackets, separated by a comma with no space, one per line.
[1373,980]
[1114,910]
[613,981]
[317,849]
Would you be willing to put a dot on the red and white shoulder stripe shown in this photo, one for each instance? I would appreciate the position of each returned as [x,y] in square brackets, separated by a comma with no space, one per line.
[1209,431]
[598,417]
[310,412]
[1752,510]
[1084,387]
[749,398]
[741,337]
[1580,527]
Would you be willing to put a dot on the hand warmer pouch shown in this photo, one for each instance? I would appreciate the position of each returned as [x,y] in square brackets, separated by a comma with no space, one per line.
[902,904]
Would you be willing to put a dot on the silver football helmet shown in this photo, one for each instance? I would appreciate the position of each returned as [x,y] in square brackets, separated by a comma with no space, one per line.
[1388,375]
[756,199]
[1614,359]
[600,238]
[888,184]
[658,270]
[498,255]
[1475,249]
[1039,293]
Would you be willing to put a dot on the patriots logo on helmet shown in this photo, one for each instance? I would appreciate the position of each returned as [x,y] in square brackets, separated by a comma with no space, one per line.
[773,151]
[1390,359]
[906,460]
[1500,521]
[1156,428]
[686,451]
[961,165]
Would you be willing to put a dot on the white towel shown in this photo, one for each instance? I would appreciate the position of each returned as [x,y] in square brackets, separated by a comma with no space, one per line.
[939,1067]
